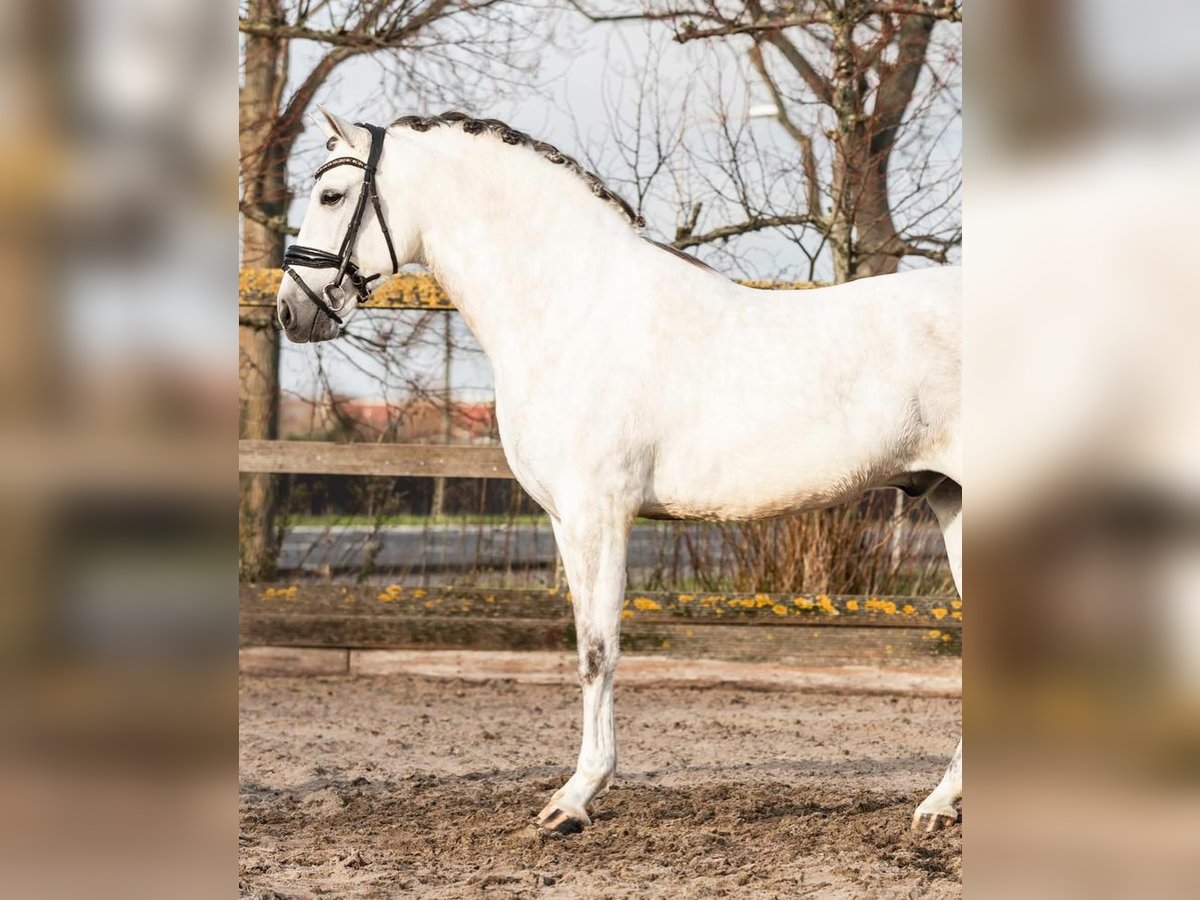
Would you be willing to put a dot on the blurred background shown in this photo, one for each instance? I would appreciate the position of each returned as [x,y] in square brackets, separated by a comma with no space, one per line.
[1082,320]
[125,155]
[118,486]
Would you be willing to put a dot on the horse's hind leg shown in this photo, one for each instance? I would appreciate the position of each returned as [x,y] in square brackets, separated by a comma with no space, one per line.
[937,810]
[593,551]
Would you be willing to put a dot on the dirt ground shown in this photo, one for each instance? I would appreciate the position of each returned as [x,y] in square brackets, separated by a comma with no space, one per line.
[392,786]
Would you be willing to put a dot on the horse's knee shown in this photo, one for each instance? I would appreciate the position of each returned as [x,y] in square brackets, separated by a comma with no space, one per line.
[597,658]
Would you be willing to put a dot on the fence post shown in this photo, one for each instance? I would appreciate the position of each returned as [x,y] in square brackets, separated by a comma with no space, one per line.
[438,506]
[897,540]
[258,403]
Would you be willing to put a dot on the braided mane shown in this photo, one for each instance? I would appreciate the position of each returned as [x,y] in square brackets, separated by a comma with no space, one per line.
[510,135]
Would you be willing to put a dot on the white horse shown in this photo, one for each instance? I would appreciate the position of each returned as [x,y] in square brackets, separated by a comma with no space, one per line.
[635,381]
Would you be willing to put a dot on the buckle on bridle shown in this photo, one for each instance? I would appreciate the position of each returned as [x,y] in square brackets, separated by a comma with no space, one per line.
[336,303]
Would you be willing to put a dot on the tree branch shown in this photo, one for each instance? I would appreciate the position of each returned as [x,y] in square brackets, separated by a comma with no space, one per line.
[898,81]
[939,252]
[764,23]
[947,10]
[759,25]
[278,224]
[666,15]
[291,119]
[820,85]
[686,230]
[354,40]
[758,223]
[808,160]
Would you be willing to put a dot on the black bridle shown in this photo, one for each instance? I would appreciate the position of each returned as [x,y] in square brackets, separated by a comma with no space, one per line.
[311,258]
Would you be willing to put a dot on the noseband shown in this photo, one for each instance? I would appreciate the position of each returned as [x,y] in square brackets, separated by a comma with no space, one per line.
[334,300]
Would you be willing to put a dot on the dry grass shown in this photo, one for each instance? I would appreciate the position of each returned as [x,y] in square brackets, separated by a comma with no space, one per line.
[854,549]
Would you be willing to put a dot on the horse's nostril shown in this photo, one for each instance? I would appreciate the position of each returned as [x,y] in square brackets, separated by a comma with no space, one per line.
[285,314]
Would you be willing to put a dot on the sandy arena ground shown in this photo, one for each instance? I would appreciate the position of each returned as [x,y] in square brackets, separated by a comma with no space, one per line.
[393,786]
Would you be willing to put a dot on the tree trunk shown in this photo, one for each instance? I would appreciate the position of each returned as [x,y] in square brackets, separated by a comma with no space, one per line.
[878,242]
[880,247]
[265,193]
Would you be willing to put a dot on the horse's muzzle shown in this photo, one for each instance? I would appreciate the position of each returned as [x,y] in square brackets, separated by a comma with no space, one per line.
[304,322]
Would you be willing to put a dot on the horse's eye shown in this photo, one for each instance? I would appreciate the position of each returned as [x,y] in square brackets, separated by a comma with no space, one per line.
[329,198]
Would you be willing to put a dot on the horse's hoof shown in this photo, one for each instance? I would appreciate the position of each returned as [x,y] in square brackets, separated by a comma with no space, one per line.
[927,823]
[559,822]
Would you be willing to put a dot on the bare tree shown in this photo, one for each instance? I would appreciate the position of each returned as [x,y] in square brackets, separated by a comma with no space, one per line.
[856,86]
[426,49]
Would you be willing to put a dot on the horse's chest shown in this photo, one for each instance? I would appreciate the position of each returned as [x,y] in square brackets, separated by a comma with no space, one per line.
[524,448]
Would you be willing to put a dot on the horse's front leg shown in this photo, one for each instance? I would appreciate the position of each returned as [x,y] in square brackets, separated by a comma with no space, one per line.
[937,811]
[593,550]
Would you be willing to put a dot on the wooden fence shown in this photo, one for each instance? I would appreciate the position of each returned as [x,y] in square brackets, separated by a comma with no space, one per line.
[792,628]
[795,629]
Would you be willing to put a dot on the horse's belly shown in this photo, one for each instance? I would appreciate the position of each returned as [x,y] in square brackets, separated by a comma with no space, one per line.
[742,447]
[755,484]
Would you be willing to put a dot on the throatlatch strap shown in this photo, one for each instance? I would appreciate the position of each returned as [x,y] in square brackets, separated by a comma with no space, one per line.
[378,134]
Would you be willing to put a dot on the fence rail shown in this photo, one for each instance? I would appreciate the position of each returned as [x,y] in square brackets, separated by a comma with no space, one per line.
[397,460]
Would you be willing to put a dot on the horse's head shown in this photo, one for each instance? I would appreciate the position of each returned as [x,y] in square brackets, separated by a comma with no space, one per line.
[350,235]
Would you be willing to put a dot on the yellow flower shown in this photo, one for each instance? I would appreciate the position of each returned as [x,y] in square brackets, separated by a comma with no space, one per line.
[646,603]
[852,605]
[390,593]
[939,613]
[779,609]
[627,614]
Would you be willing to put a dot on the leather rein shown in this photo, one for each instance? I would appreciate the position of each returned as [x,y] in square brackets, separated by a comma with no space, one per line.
[333,297]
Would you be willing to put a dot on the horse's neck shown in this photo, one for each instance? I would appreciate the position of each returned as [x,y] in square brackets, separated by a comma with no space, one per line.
[521,247]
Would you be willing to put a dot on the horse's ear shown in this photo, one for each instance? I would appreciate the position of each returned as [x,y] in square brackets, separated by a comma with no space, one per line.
[335,127]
